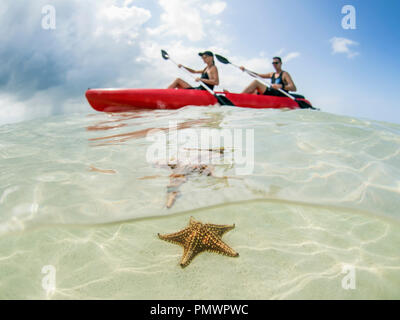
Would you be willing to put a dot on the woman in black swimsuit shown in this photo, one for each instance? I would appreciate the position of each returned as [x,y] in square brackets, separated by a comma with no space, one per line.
[209,76]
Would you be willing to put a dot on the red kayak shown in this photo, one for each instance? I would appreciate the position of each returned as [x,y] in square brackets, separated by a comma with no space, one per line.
[121,100]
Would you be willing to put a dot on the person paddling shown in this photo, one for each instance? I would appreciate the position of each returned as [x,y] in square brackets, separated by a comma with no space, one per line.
[209,75]
[280,80]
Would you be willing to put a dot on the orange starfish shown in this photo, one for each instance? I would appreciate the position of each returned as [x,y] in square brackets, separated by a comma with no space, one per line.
[199,237]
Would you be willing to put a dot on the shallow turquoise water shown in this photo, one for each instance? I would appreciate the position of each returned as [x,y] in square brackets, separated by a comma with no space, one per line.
[78,193]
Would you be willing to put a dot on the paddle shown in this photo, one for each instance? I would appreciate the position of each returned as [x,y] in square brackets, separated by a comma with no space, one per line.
[224,101]
[302,104]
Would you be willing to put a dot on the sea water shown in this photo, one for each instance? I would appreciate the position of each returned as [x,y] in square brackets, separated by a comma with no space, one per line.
[317,217]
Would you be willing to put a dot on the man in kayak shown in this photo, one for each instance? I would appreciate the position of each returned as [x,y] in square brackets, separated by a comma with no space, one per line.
[209,76]
[280,80]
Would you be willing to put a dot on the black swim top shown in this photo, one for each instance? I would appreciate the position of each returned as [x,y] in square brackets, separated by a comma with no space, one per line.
[278,80]
[204,75]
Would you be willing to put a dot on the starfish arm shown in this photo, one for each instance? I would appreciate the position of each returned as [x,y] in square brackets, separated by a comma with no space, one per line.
[192,221]
[177,237]
[190,251]
[219,229]
[216,245]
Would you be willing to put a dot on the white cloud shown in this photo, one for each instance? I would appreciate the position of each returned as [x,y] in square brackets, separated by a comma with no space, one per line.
[188,19]
[342,45]
[180,18]
[128,3]
[214,8]
[290,56]
[121,22]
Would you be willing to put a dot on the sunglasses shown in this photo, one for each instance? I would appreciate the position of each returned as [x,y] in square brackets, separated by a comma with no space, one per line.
[275,62]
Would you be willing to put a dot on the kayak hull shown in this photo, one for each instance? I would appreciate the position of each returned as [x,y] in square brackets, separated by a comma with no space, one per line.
[122,100]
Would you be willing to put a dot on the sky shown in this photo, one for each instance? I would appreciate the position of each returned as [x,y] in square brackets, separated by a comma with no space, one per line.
[47,64]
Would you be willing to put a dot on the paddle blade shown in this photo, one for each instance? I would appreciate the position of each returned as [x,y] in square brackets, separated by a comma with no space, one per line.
[304,105]
[165,54]
[224,101]
[222,59]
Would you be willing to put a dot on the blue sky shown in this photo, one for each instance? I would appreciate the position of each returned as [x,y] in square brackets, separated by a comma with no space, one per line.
[116,43]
